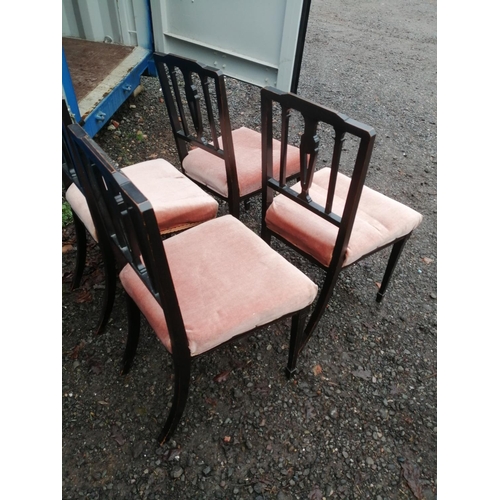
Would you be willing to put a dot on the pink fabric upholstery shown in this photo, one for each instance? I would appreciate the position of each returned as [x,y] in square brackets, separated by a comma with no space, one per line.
[228,281]
[210,170]
[177,201]
[78,203]
[379,220]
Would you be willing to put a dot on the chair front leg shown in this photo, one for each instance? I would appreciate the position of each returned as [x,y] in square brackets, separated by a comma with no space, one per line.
[182,368]
[297,332]
[396,251]
[324,297]
[81,251]
[134,326]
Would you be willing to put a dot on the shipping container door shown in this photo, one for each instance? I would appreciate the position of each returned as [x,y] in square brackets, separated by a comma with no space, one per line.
[257,41]
[107,47]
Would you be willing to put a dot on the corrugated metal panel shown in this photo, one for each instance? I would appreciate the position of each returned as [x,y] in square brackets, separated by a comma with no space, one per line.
[255,41]
[123,22]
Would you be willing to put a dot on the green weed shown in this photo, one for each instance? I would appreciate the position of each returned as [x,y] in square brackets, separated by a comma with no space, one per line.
[67,215]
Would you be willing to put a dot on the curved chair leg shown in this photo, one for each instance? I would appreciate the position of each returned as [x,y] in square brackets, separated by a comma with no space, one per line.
[181,389]
[397,248]
[109,292]
[81,251]
[324,297]
[134,326]
[298,322]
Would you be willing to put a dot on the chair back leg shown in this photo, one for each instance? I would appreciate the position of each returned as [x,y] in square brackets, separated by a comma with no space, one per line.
[265,234]
[397,248]
[134,326]
[234,206]
[181,390]
[109,273]
[81,251]
[108,298]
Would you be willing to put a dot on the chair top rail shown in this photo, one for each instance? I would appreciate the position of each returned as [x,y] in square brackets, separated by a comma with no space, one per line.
[318,112]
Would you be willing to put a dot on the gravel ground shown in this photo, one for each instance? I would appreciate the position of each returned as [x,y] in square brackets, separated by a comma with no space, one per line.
[359,420]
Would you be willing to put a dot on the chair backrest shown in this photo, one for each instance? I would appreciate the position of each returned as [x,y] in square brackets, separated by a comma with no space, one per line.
[313,120]
[130,227]
[196,100]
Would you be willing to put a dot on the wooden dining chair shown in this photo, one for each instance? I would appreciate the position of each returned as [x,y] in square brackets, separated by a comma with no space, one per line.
[226,162]
[178,203]
[198,290]
[328,216]
[83,223]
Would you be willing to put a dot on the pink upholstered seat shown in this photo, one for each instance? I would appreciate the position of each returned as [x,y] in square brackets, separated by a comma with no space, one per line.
[210,170]
[177,201]
[229,284]
[379,220]
[79,205]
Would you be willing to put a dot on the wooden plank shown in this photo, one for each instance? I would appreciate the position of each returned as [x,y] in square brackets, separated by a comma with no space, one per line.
[90,63]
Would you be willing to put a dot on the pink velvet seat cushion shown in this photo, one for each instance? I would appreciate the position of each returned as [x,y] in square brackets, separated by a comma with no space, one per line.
[210,170]
[379,220]
[78,203]
[228,281]
[177,201]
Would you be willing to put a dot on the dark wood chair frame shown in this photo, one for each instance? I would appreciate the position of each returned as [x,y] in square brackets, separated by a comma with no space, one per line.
[131,229]
[313,114]
[69,177]
[184,134]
